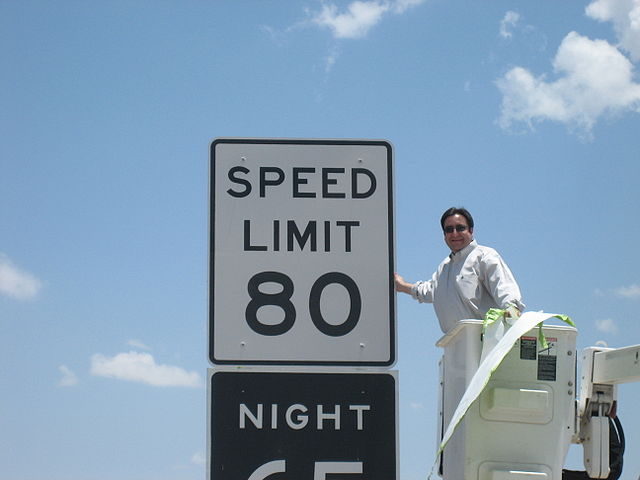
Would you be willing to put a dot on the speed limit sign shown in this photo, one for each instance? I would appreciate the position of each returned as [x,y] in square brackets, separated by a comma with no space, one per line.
[301,252]
[292,425]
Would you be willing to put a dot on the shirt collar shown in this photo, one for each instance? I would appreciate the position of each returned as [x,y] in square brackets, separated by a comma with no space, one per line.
[462,254]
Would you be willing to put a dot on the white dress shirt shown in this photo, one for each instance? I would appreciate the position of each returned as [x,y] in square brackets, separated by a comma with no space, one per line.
[467,284]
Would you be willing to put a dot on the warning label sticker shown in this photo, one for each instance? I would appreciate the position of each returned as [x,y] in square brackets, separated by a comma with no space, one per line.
[528,348]
[547,367]
[547,360]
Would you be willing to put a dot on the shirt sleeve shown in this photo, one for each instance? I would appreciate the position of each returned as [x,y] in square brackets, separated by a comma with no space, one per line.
[423,290]
[500,282]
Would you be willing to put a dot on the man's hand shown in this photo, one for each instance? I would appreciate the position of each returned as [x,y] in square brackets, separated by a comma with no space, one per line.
[401,284]
[512,312]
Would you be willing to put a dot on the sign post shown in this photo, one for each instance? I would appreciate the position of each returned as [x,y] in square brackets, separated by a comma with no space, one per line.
[302,253]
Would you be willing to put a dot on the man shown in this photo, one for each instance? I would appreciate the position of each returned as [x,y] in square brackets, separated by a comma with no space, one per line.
[470,281]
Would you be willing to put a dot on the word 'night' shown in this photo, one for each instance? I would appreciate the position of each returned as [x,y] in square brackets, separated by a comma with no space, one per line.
[296,417]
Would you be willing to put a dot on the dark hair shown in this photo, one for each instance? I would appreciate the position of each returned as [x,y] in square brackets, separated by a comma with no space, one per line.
[457,211]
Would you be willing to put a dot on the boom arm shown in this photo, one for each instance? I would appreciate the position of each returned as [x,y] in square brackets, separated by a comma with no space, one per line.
[602,370]
[618,365]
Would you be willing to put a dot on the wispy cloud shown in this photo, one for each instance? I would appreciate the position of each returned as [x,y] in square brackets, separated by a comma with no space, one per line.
[519,34]
[607,325]
[198,458]
[142,368]
[507,24]
[69,378]
[356,21]
[630,291]
[17,283]
[593,77]
[137,344]
[401,6]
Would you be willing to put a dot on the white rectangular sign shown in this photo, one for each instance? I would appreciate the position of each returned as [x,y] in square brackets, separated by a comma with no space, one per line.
[302,252]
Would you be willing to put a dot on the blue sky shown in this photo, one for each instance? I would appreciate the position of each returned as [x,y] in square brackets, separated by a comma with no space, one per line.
[524,112]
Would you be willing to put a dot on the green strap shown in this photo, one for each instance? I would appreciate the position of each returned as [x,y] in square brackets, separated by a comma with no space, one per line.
[492,316]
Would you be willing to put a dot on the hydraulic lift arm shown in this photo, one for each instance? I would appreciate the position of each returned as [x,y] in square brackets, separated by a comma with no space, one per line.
[602,370]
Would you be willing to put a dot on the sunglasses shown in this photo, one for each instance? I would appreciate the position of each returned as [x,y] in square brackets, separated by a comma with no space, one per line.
[457,228]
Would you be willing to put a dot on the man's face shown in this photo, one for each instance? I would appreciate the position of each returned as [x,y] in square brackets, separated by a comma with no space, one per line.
[457,240]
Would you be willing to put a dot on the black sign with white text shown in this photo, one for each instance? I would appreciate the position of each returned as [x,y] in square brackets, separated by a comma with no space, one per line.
[302,426]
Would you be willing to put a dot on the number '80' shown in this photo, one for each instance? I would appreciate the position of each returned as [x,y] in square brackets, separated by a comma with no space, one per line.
[282,299]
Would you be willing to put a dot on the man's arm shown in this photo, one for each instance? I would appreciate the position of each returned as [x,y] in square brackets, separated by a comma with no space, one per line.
[420,291]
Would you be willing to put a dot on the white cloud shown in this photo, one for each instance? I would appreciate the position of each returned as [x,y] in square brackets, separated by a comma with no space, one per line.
[607,325]
[356,22]
[17,283]
[625,16]
[509,21]
[594,79]
[141,367]
[359,17]
[631,291]
[69,378]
